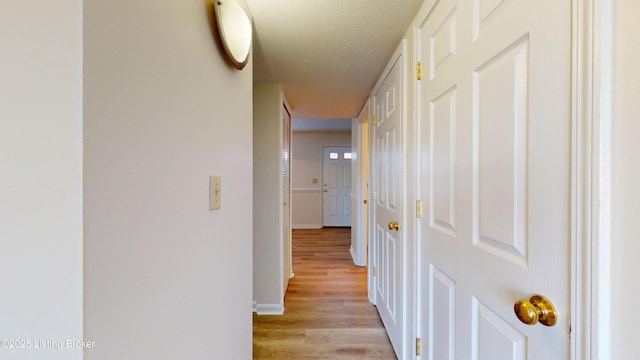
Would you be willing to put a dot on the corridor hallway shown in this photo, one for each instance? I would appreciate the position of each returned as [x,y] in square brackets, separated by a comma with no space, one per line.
[327,312]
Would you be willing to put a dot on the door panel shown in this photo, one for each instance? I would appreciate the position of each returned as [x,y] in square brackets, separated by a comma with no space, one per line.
[388,160]
[500,154]
[493,338]
[442,315]
[494,118]
[443,173]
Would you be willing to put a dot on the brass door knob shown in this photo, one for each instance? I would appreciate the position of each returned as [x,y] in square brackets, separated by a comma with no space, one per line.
[537,309]
[394,225]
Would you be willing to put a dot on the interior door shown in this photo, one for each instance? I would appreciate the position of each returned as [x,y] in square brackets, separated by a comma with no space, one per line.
[495,177]
[336,187]
[387,187]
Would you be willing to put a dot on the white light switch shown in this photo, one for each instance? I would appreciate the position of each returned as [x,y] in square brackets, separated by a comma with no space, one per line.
[214,192]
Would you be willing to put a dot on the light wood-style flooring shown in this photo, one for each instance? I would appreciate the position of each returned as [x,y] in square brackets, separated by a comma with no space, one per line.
[327,312]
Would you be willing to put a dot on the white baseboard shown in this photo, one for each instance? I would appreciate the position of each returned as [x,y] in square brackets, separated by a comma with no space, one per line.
[311,226]
[268,309]
[353,256]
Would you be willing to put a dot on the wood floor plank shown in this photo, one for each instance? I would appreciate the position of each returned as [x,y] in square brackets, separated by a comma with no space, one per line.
[327,312]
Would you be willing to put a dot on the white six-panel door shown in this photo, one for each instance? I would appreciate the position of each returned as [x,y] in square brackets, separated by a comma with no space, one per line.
[388,163]
[495,121]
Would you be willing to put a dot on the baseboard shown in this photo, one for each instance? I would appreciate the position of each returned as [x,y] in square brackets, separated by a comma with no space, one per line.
[313,226]
[354,257]
[268,309]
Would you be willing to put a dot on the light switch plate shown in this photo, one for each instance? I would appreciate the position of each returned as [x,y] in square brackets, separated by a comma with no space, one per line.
[214,192]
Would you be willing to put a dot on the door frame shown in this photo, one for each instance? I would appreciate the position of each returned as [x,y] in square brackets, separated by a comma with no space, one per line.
[360,221]
[590,241]
[590,168]
[287,234]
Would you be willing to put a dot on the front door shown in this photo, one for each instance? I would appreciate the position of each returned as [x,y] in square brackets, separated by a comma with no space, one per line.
[388,163]
[336,187]
[495,130]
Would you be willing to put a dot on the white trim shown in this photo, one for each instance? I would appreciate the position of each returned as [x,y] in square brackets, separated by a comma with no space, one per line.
[371,209]
[287,236]
[408,194]
[601,123]
[362,192]
[283,283]
[268,309]
[602,119]
[353,256]
[417,130]
[590,182]
[417,176]
[305,190]
[362,181]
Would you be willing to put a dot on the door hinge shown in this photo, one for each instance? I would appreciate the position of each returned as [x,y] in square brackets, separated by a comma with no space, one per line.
[418,347]
[365,201]
[419,209]
[419,70]
[374,120]
[375,271]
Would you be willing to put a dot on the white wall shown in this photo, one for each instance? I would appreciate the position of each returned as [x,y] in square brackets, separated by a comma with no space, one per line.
[165,278]
[625,181]
[306,165]
[41,176]
[268,247]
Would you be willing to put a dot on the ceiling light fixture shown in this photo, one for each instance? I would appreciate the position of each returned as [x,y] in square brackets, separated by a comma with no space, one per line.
[235,30]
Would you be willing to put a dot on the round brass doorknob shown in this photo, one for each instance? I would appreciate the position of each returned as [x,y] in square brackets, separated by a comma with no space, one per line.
[394,225]
[537,309]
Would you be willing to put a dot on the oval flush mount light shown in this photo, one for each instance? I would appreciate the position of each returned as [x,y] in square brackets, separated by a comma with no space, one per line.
[234,27]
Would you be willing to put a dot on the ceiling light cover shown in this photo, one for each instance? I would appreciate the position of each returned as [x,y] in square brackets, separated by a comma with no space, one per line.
[234,27]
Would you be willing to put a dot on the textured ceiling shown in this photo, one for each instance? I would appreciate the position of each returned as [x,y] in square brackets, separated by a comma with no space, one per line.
[327,54]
